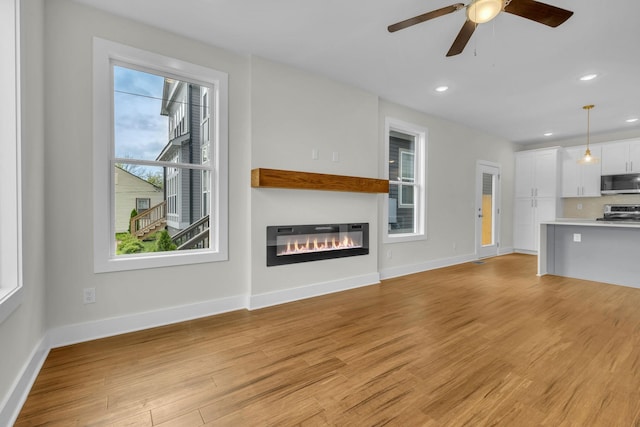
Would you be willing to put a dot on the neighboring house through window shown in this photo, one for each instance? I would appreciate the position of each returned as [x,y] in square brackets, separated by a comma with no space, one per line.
[152,118]
[406,149]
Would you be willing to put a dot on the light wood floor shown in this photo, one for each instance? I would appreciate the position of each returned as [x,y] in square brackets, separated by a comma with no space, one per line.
[474,344]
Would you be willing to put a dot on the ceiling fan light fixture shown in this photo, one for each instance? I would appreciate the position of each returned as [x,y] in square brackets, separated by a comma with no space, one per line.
[481,11]
[588,159]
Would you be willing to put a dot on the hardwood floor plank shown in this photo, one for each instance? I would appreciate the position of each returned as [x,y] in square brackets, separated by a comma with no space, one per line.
[471,344]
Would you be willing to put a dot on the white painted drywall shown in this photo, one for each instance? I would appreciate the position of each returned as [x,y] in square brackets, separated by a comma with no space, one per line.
[22,331]
[294,112]
[70,28]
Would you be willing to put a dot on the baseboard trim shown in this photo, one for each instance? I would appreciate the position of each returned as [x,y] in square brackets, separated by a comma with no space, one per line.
[268,299]
[389,273]
[72,334]
[12,405]
[505,251]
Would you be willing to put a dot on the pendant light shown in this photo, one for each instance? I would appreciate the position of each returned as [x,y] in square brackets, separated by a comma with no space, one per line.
[588,159]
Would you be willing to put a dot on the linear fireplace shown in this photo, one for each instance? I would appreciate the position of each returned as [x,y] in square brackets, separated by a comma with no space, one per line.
[289,244]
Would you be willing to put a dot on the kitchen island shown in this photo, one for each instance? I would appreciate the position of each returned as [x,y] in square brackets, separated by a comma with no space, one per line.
[603,251]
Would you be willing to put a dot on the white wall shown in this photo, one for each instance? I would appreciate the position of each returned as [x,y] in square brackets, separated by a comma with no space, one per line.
[452,154]
[69,30]
[22,332]
[294,112]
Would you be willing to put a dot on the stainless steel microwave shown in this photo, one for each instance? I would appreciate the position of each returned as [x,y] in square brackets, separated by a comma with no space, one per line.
[620,184]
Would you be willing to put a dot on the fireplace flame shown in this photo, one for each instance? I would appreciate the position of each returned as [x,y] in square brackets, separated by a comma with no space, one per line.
[301,246]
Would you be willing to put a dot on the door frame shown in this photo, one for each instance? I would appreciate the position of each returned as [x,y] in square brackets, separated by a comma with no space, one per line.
[483,166]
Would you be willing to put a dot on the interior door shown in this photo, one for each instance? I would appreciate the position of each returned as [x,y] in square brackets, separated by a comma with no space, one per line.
[487,212]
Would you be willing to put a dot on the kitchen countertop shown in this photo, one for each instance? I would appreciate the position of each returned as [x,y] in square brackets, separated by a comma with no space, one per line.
[592,223]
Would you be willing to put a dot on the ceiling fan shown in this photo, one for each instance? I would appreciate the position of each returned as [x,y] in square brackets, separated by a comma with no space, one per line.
[481,11]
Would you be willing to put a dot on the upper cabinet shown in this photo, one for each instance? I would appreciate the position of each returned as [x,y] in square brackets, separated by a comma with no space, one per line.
[580,180]
[537,173]
[621,157]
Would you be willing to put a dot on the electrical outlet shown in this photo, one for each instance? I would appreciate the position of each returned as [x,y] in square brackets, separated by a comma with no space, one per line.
[315,155]
[577,237]
[89,296]
[389,254]
[335,156]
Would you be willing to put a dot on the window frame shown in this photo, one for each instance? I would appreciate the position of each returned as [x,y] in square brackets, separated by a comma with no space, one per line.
[106,54]
[419,183]
[11,286]
[143,199]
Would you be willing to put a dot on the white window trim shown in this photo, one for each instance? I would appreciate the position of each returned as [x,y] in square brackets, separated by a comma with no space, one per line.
[420,202]
[11,292]
[104,54]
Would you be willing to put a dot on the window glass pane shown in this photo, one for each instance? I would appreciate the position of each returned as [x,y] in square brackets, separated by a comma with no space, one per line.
[401,215]
[140,131]
[487,209]
[176,197]
[158,118]
[401,156]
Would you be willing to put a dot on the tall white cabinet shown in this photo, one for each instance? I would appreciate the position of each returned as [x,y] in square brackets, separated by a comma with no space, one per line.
[537,195]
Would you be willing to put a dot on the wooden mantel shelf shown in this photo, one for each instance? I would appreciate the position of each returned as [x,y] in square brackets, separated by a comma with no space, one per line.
[275,178]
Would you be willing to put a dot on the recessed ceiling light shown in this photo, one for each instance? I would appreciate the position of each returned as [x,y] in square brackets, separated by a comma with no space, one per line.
[442,88]
[548,134]
[635,119]
[588,77]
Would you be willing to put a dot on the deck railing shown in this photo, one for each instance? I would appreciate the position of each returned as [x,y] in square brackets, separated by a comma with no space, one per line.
[195,236]
[148,219]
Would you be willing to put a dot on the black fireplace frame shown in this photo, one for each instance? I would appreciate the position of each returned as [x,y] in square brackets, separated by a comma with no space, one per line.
[273,231]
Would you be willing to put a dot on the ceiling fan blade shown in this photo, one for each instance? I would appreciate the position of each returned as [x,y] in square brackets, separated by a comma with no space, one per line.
[463,38]
[424,17]
[539,12]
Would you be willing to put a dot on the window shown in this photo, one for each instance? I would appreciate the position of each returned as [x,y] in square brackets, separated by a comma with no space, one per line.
[406,149]
[143,204]
[163,121]
[10,207]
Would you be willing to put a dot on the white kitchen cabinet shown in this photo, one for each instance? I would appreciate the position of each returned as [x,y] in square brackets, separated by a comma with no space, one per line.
[621,157]
[536,195]
[580,180]
[537,173]
[529,212]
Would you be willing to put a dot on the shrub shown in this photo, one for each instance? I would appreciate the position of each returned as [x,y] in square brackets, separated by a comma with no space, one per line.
[129,244]
[133,213]
[164,242]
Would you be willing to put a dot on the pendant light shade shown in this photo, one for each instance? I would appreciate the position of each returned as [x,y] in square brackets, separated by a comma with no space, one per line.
[588,159]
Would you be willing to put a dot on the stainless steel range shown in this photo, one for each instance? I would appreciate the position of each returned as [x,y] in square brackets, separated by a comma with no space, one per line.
[630,213]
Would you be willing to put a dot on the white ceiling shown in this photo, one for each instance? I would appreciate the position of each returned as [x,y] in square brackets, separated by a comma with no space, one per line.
[516,78]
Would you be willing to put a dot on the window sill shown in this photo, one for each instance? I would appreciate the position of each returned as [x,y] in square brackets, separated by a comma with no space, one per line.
[143,261]
[401,238]
[10,299]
